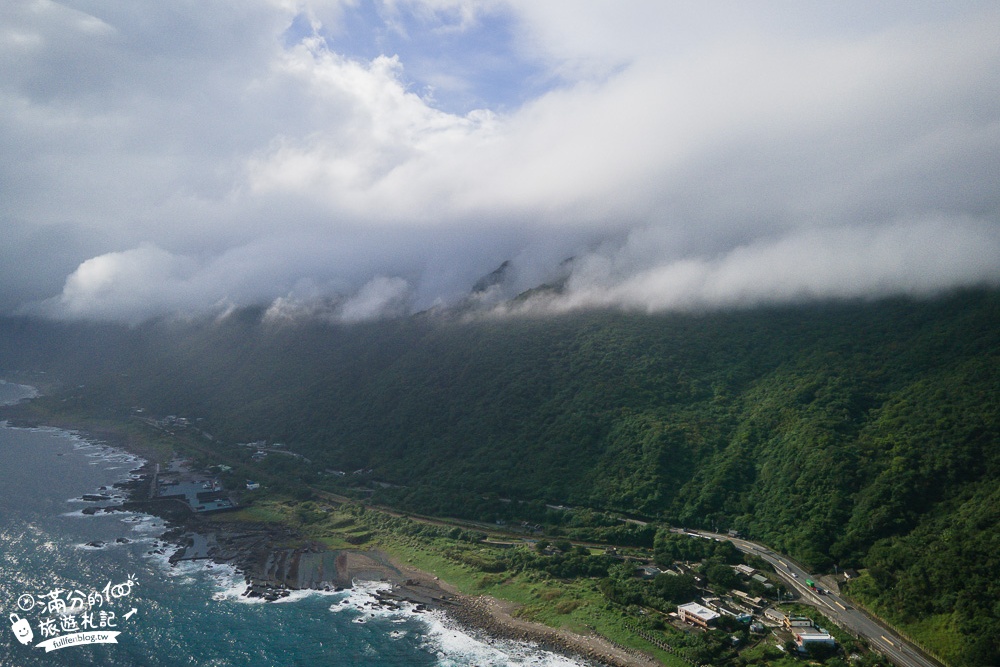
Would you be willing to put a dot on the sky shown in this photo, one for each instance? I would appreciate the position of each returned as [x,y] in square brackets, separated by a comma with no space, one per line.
[356,159]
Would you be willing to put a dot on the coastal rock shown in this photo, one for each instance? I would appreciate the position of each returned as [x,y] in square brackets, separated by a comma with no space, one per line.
[272,572]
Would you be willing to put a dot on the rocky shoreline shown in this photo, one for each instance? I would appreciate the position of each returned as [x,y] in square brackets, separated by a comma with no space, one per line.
[256,549]
[272,569]
[494,618]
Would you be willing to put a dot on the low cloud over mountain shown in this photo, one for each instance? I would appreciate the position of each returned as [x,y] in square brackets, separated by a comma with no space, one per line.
[364,160]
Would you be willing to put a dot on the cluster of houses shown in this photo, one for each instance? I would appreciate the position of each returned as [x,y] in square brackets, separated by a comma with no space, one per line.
[801,628]
[166,423]
[747,608]
[171,423]
[262,449]
[200,493]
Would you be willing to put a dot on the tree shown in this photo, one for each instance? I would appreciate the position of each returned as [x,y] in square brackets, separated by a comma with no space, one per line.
[820,651]
[722,575]
[676,589]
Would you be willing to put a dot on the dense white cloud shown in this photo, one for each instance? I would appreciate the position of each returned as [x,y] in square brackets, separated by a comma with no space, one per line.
[133,284]
[381,297]
[184,157]
[913,258]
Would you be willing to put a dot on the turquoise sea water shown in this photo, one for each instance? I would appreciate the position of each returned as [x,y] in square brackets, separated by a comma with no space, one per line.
[191,614]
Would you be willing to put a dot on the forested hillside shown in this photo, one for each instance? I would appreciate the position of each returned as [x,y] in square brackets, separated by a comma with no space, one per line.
[861,435]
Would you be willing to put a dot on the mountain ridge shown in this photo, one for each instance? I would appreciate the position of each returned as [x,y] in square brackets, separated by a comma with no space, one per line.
[853,434]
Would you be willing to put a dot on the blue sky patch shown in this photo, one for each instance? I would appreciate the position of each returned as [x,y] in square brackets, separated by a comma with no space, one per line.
[456,68]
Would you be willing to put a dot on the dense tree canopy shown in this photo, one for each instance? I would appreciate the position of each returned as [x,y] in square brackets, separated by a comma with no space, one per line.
[864,435]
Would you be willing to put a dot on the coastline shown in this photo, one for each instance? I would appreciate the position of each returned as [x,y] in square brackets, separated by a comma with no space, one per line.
[494,617]
[272,569]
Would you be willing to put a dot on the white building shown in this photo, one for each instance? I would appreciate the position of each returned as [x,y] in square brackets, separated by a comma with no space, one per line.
[812,637]
[693,612]
[775,616]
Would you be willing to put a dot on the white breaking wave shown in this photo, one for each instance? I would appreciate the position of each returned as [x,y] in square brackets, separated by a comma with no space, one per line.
[456,648]
[453,646]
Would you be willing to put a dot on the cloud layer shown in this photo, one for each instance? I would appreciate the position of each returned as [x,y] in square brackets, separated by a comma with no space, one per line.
[187,158]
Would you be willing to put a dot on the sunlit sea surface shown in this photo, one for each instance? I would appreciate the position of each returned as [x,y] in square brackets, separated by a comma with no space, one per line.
[191,614]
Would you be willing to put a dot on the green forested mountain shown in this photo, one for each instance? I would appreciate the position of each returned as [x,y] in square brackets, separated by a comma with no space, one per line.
[861,435]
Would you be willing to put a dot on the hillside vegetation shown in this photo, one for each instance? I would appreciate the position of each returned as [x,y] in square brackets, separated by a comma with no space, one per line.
[861,435]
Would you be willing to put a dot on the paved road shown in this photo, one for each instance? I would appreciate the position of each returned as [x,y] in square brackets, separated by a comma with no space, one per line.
[840,611]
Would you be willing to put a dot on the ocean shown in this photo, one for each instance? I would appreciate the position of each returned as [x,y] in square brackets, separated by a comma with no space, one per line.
[98,589]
